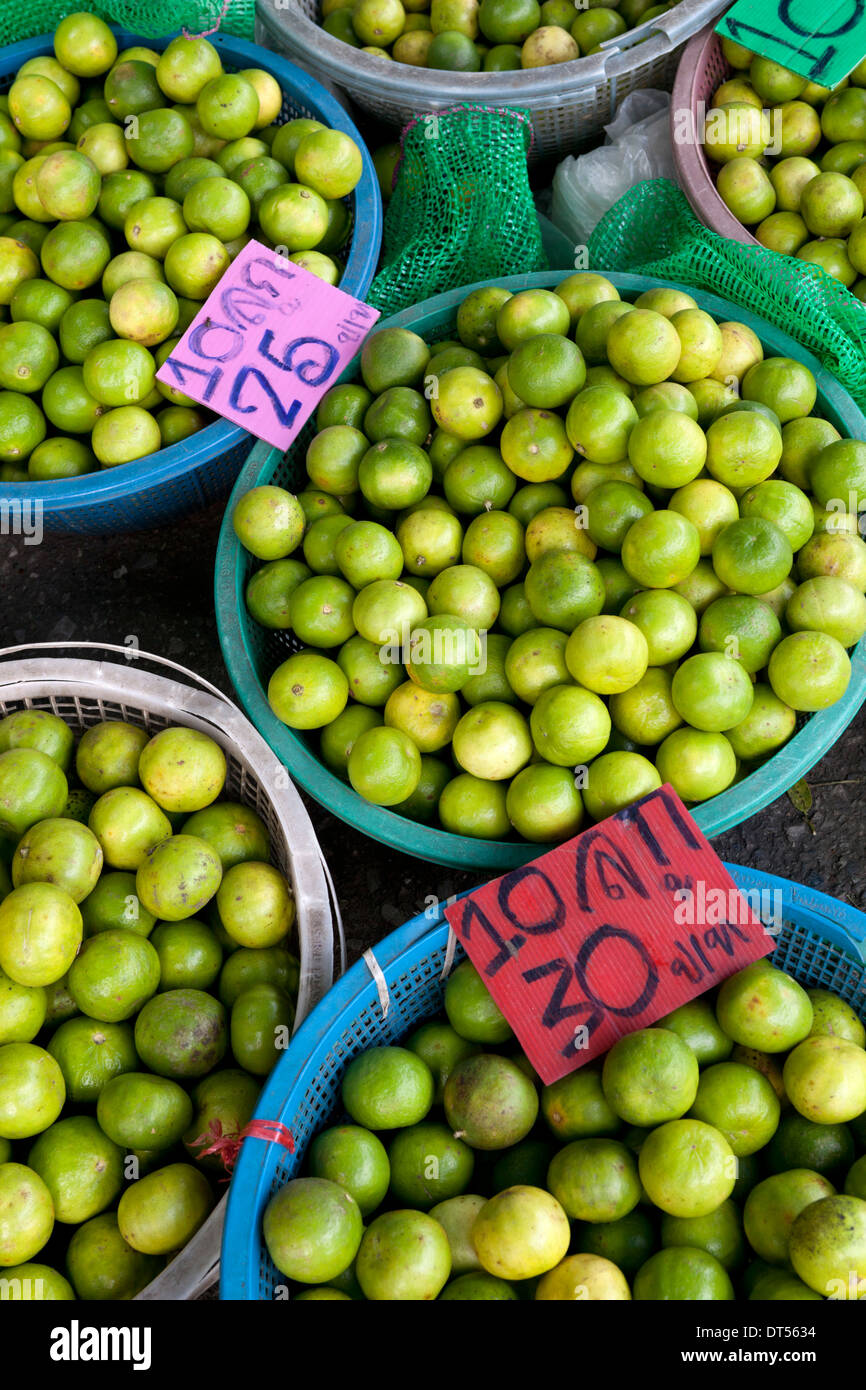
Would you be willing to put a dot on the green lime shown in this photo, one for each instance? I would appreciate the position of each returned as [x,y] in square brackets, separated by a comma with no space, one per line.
[683,1273]
[696,1023]
[474,806]
[661,549]
[471,1010]
[595,1180]
[569,725]
[387,1088]
[650,1053]
[646,713]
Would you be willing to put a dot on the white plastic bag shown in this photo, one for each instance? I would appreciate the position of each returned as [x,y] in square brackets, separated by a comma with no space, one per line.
[638,147]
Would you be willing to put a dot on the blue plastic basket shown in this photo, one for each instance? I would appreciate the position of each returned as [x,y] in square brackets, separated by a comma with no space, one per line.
[822,943]
[251,653]
[160,488]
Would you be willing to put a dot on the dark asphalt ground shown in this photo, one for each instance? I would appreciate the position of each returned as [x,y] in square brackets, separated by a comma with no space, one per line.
[157,587]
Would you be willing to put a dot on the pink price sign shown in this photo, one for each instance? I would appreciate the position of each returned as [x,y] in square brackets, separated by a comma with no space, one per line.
[267,343]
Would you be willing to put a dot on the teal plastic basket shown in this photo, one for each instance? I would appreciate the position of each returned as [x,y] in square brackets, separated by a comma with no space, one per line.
[162,487]
[251,653]
[821,942]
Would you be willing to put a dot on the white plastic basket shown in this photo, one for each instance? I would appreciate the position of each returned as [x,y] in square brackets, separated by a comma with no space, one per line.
[569,102]
[84,692]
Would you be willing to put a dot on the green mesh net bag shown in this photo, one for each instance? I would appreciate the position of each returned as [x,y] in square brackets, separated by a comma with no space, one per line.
[461,210]
[23,19]
[653,231]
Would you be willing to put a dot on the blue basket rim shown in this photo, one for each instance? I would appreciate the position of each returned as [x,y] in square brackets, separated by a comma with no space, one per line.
[736,804]
[241,1236]
[144,474]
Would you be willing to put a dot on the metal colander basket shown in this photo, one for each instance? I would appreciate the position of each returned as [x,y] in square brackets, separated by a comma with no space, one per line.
[85,691]
[569,103]
[821,942]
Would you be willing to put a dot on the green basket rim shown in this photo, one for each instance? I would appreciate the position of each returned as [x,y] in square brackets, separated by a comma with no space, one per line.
[739,802]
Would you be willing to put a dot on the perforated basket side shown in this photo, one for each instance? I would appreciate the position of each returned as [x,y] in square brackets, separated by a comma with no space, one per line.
[303,1091]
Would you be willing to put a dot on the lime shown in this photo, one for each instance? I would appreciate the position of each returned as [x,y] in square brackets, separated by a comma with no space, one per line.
[661,549]
[584,289]
[22,1010]
[535,444]
[740,1103]
[569,725]
[467,592]
[471,1010]
[772,1207]
[26,1214]
[473,806]
[800,1143]
[696,1023]
[752,555]
[809,670]
[682,1273]
[720,1234]
[687,1168]
[113,975]
[536,661]
[697,764]
[595,1180]
[307,691]
[355,1160]
[825,1079]
[607,654]
[428,1165]
[90,1054]
[667,448]
[40,730]
[80,1166]
[563,589]
[667,621]
[712,691]
[40,932]
[128,824]
[543,804]
[387,1088]
[255,903]
[828,1246]
[650,1076]
[102,1265]
[163,1210]
[32,1090]
[520,1233]
[546,370]
[763,1007]
[835,1018]
[611,509]
[58,851]
[576,1108]
[529,313]
[643,347]
[646,712]
[184,67]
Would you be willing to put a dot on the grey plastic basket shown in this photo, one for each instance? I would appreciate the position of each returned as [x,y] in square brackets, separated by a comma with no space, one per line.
[569,102]
[85,691]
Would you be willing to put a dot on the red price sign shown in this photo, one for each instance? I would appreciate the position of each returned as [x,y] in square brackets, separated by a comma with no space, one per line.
[608,933]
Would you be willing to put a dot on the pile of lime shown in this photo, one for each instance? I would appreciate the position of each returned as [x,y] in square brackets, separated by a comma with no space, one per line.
[791,159]
[584,548]
[128,182]
[146,989]
[483,35]
[712,1156]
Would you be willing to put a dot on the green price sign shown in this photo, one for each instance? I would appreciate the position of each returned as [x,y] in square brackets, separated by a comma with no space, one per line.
[824,48]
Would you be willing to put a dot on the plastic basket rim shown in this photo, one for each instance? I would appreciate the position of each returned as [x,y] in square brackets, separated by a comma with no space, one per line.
[825,918]
[690,161]
[189,455]
[543,86]
[729,808]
